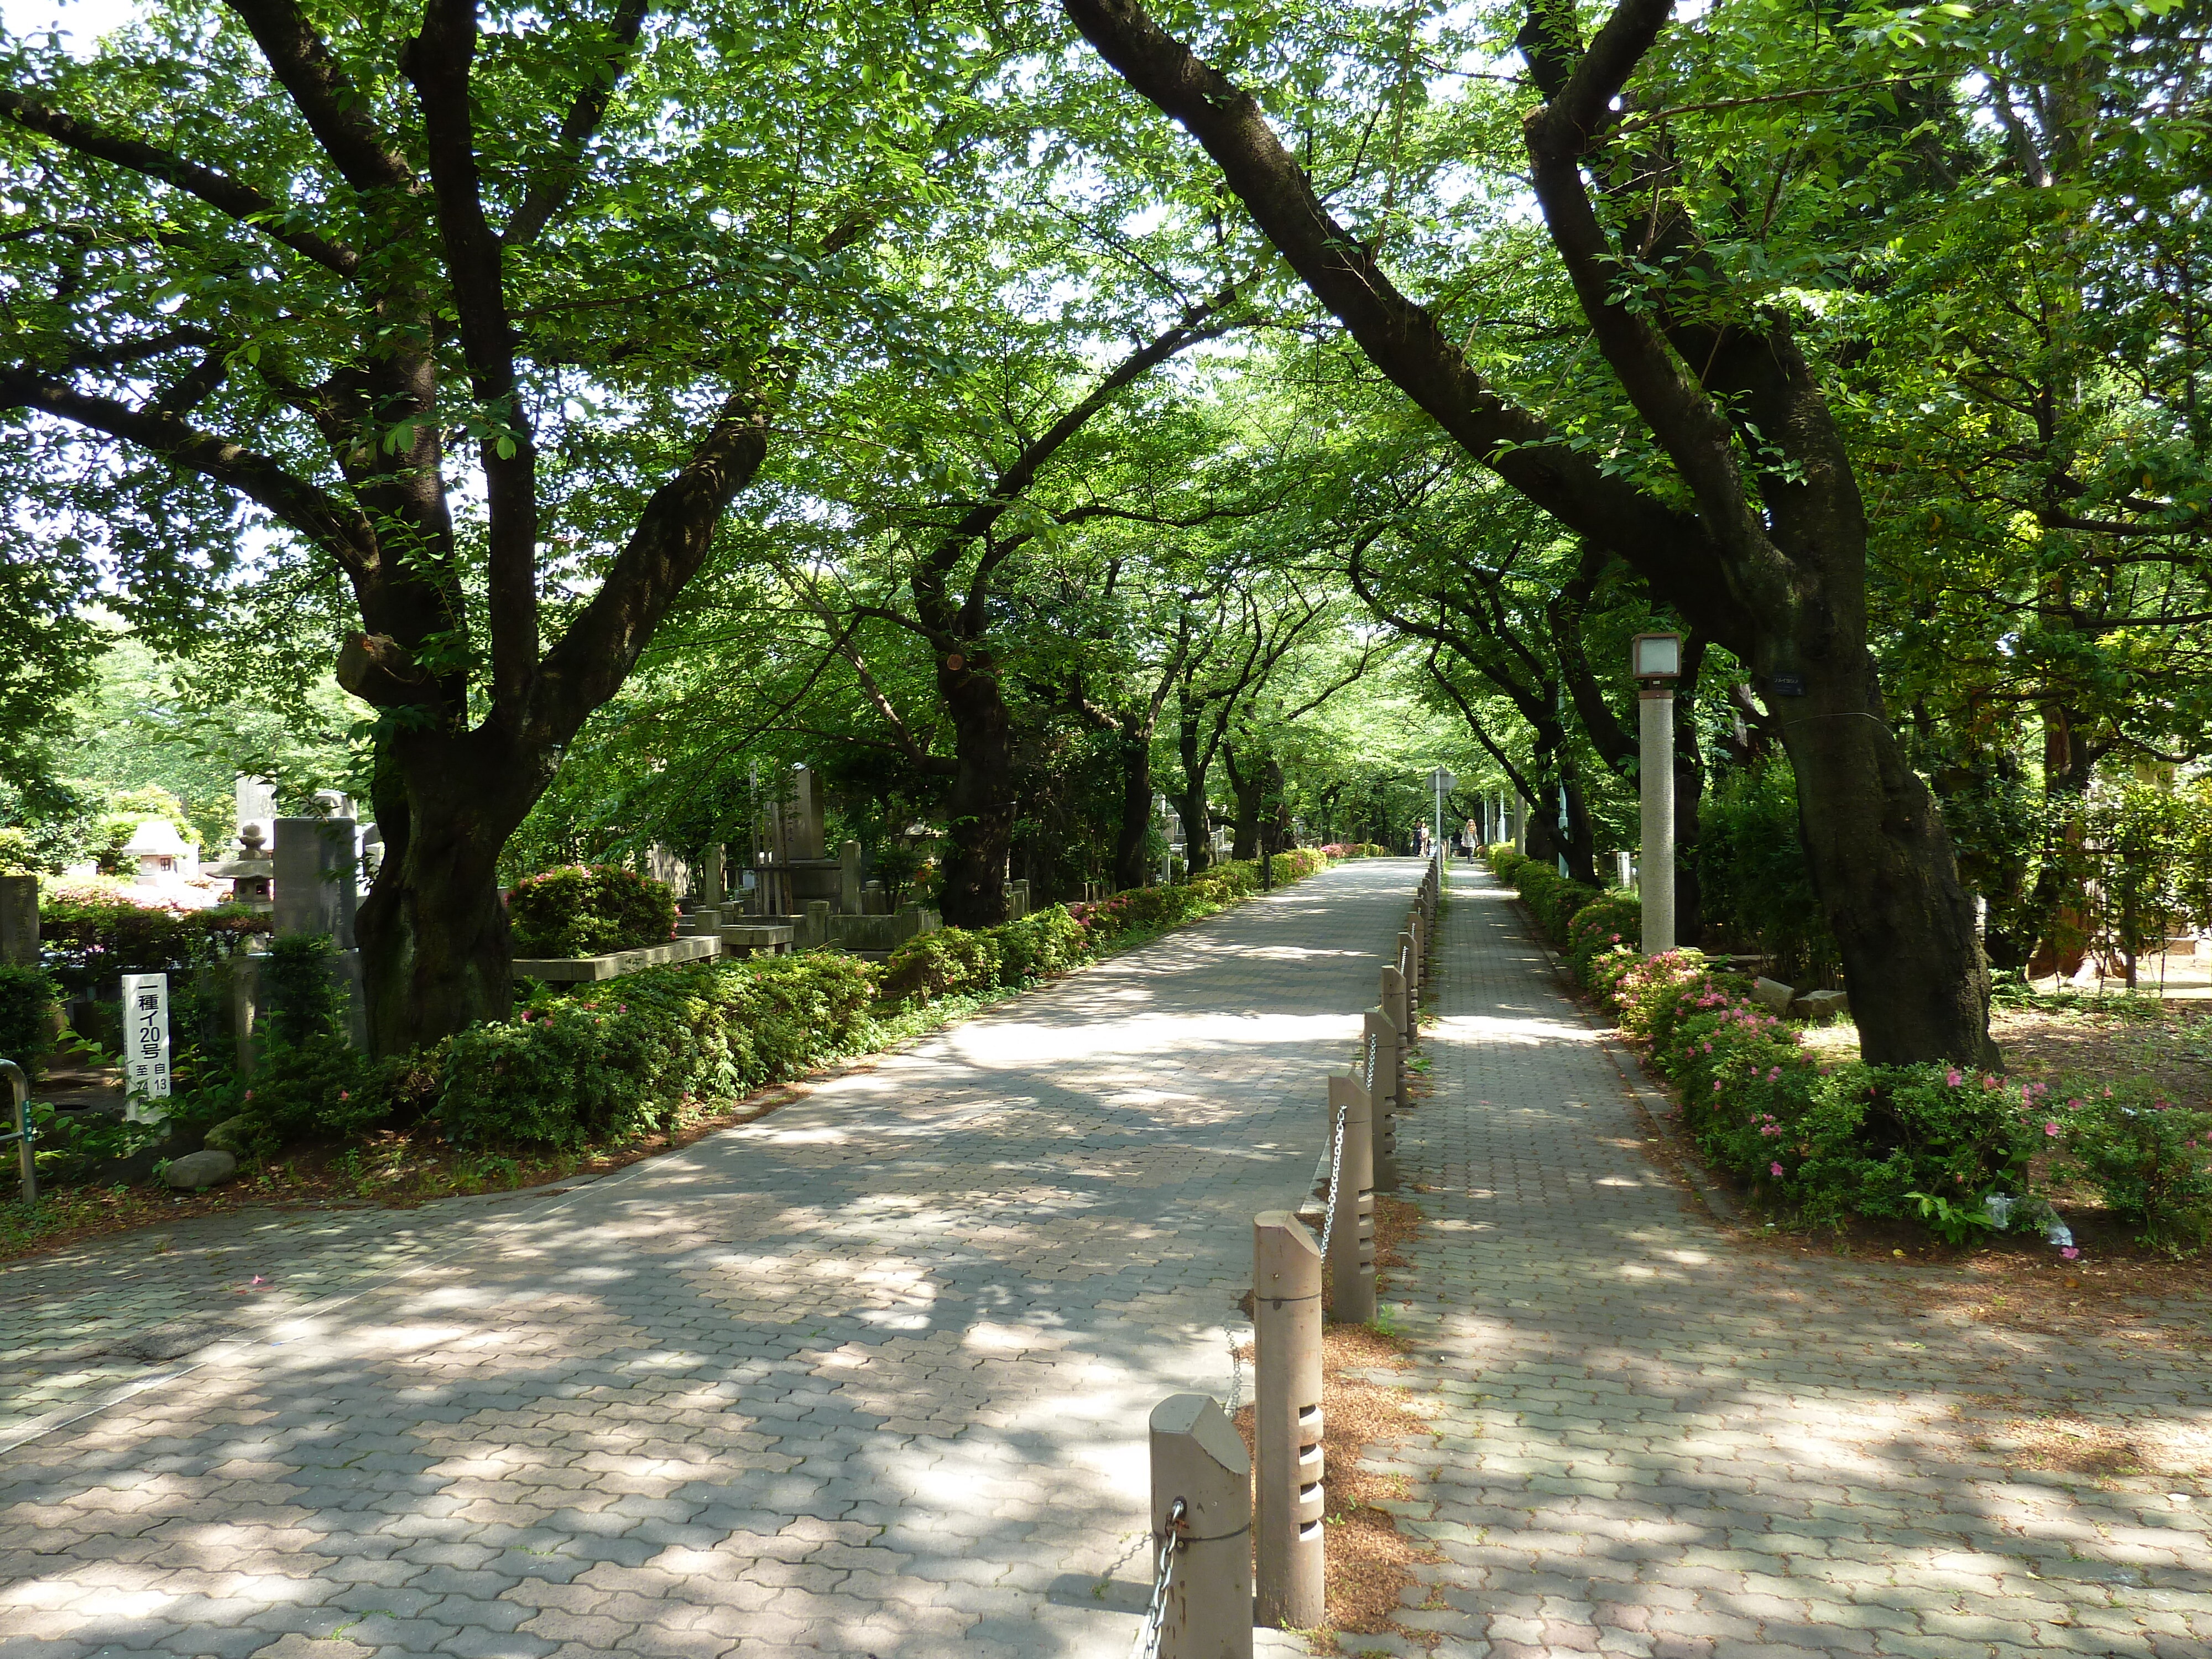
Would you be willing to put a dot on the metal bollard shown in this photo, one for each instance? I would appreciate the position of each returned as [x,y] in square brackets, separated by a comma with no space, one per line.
[1379,1043]
[1352,1210]
[1286,1410]
[1198,1461]
[25,1137]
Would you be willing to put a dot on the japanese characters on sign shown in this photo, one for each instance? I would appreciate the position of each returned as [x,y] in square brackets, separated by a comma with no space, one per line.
[146,1044]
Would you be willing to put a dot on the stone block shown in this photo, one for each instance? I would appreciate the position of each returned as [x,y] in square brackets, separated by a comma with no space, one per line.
[1820,1005]
[196,1172]
[1772,993]
[613,964]
[314,868]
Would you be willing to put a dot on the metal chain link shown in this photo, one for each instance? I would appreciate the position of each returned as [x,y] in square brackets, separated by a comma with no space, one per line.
[1335,1171]
[1148,1635]
[1370,1062]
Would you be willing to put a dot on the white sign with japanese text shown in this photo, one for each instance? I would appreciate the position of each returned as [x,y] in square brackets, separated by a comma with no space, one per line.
[146,1045]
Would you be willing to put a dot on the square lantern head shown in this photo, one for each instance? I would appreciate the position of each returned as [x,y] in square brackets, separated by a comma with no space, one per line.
[1656,656]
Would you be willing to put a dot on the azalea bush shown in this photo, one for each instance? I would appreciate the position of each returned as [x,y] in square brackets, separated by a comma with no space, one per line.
[1612,921]
[95,930]
[2151,1157]
[1925,1143]
[624,1057]
[587,910]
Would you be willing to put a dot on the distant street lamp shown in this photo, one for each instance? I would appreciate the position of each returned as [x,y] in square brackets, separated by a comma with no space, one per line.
[1656,660]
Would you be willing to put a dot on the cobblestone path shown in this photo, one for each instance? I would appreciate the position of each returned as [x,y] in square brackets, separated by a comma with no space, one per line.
[869,1375]
[1659,1438]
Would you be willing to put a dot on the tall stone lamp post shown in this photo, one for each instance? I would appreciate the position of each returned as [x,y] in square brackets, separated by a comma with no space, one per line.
[1656,660]
[1443,782]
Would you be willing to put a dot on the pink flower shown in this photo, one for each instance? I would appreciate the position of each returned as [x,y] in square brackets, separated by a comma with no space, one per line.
[1717,1088]
[1989,1082]
[346,1094]
[2051,1128]
[1953,1079]
[1773,1074]
[2070,1254]
[1774,1169]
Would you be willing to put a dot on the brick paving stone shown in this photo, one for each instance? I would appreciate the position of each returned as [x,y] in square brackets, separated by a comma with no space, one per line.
[869,1375]
[1714,1450]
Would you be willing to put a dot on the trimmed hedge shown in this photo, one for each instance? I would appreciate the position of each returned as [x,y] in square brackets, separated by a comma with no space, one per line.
[625,1057]
[954,960]
[587,910]
[1551,898]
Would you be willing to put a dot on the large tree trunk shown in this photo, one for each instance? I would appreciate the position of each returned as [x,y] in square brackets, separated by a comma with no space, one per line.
[432,932]
[1248,788]
[1879,858]
[980,805]
[1197,817]
[1135,757]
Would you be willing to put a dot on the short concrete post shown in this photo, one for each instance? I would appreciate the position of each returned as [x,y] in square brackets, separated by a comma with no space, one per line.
[1351,1213]
[1198,1461]
[1379,1067]
[1398,1009]
[1286,1409]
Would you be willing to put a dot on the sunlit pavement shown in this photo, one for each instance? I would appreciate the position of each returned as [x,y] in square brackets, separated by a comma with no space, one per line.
[1658,1441]
[868,1375]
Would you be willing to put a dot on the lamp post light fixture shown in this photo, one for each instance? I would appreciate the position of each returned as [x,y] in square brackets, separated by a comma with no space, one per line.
[1656,660]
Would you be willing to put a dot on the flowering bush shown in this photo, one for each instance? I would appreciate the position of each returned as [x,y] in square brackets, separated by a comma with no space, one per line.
[1353,849]
[1923,1143]
[2151,1159]
[1613,922]
[98,930]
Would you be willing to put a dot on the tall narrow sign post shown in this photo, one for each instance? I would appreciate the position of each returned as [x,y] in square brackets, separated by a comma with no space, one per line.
[1443,783]
[145,1047]
[1656,660]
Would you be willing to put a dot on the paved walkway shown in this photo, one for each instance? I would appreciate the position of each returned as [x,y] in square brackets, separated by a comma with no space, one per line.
[1659,1440]
[870,1375]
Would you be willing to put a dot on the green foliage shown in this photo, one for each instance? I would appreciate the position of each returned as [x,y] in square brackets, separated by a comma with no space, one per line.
[26,1009]
[1551,898]
[1751,872]
[309,1082]
[629,1056]
[97,932]
[587,910]
[1611,922]
[21,854]
[1904,1143]
[956,960]
[2151,1158]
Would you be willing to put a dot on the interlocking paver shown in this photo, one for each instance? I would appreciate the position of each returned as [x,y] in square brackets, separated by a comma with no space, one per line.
[868,1375]
[1714,1450]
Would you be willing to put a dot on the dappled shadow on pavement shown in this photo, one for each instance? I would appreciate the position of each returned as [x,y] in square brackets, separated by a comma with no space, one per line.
[868,1375]
[1658,1436]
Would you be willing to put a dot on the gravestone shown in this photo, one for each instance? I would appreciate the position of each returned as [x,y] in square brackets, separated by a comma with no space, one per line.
[314,869]
[712,888]
[19,920]
[848,880]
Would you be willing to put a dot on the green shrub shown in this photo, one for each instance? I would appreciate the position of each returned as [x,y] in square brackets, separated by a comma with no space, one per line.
[309,1081]
[587,910]
[1908,1143]
[97,932]
[632,1056]
[951,961]
[2149,1158]
[1611,922]
[1551,898]
[27,1010]
[1752,873]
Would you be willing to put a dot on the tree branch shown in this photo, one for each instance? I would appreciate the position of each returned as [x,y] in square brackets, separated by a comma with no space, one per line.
[556,181]
[219,191]
[438,62]
[336,110]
